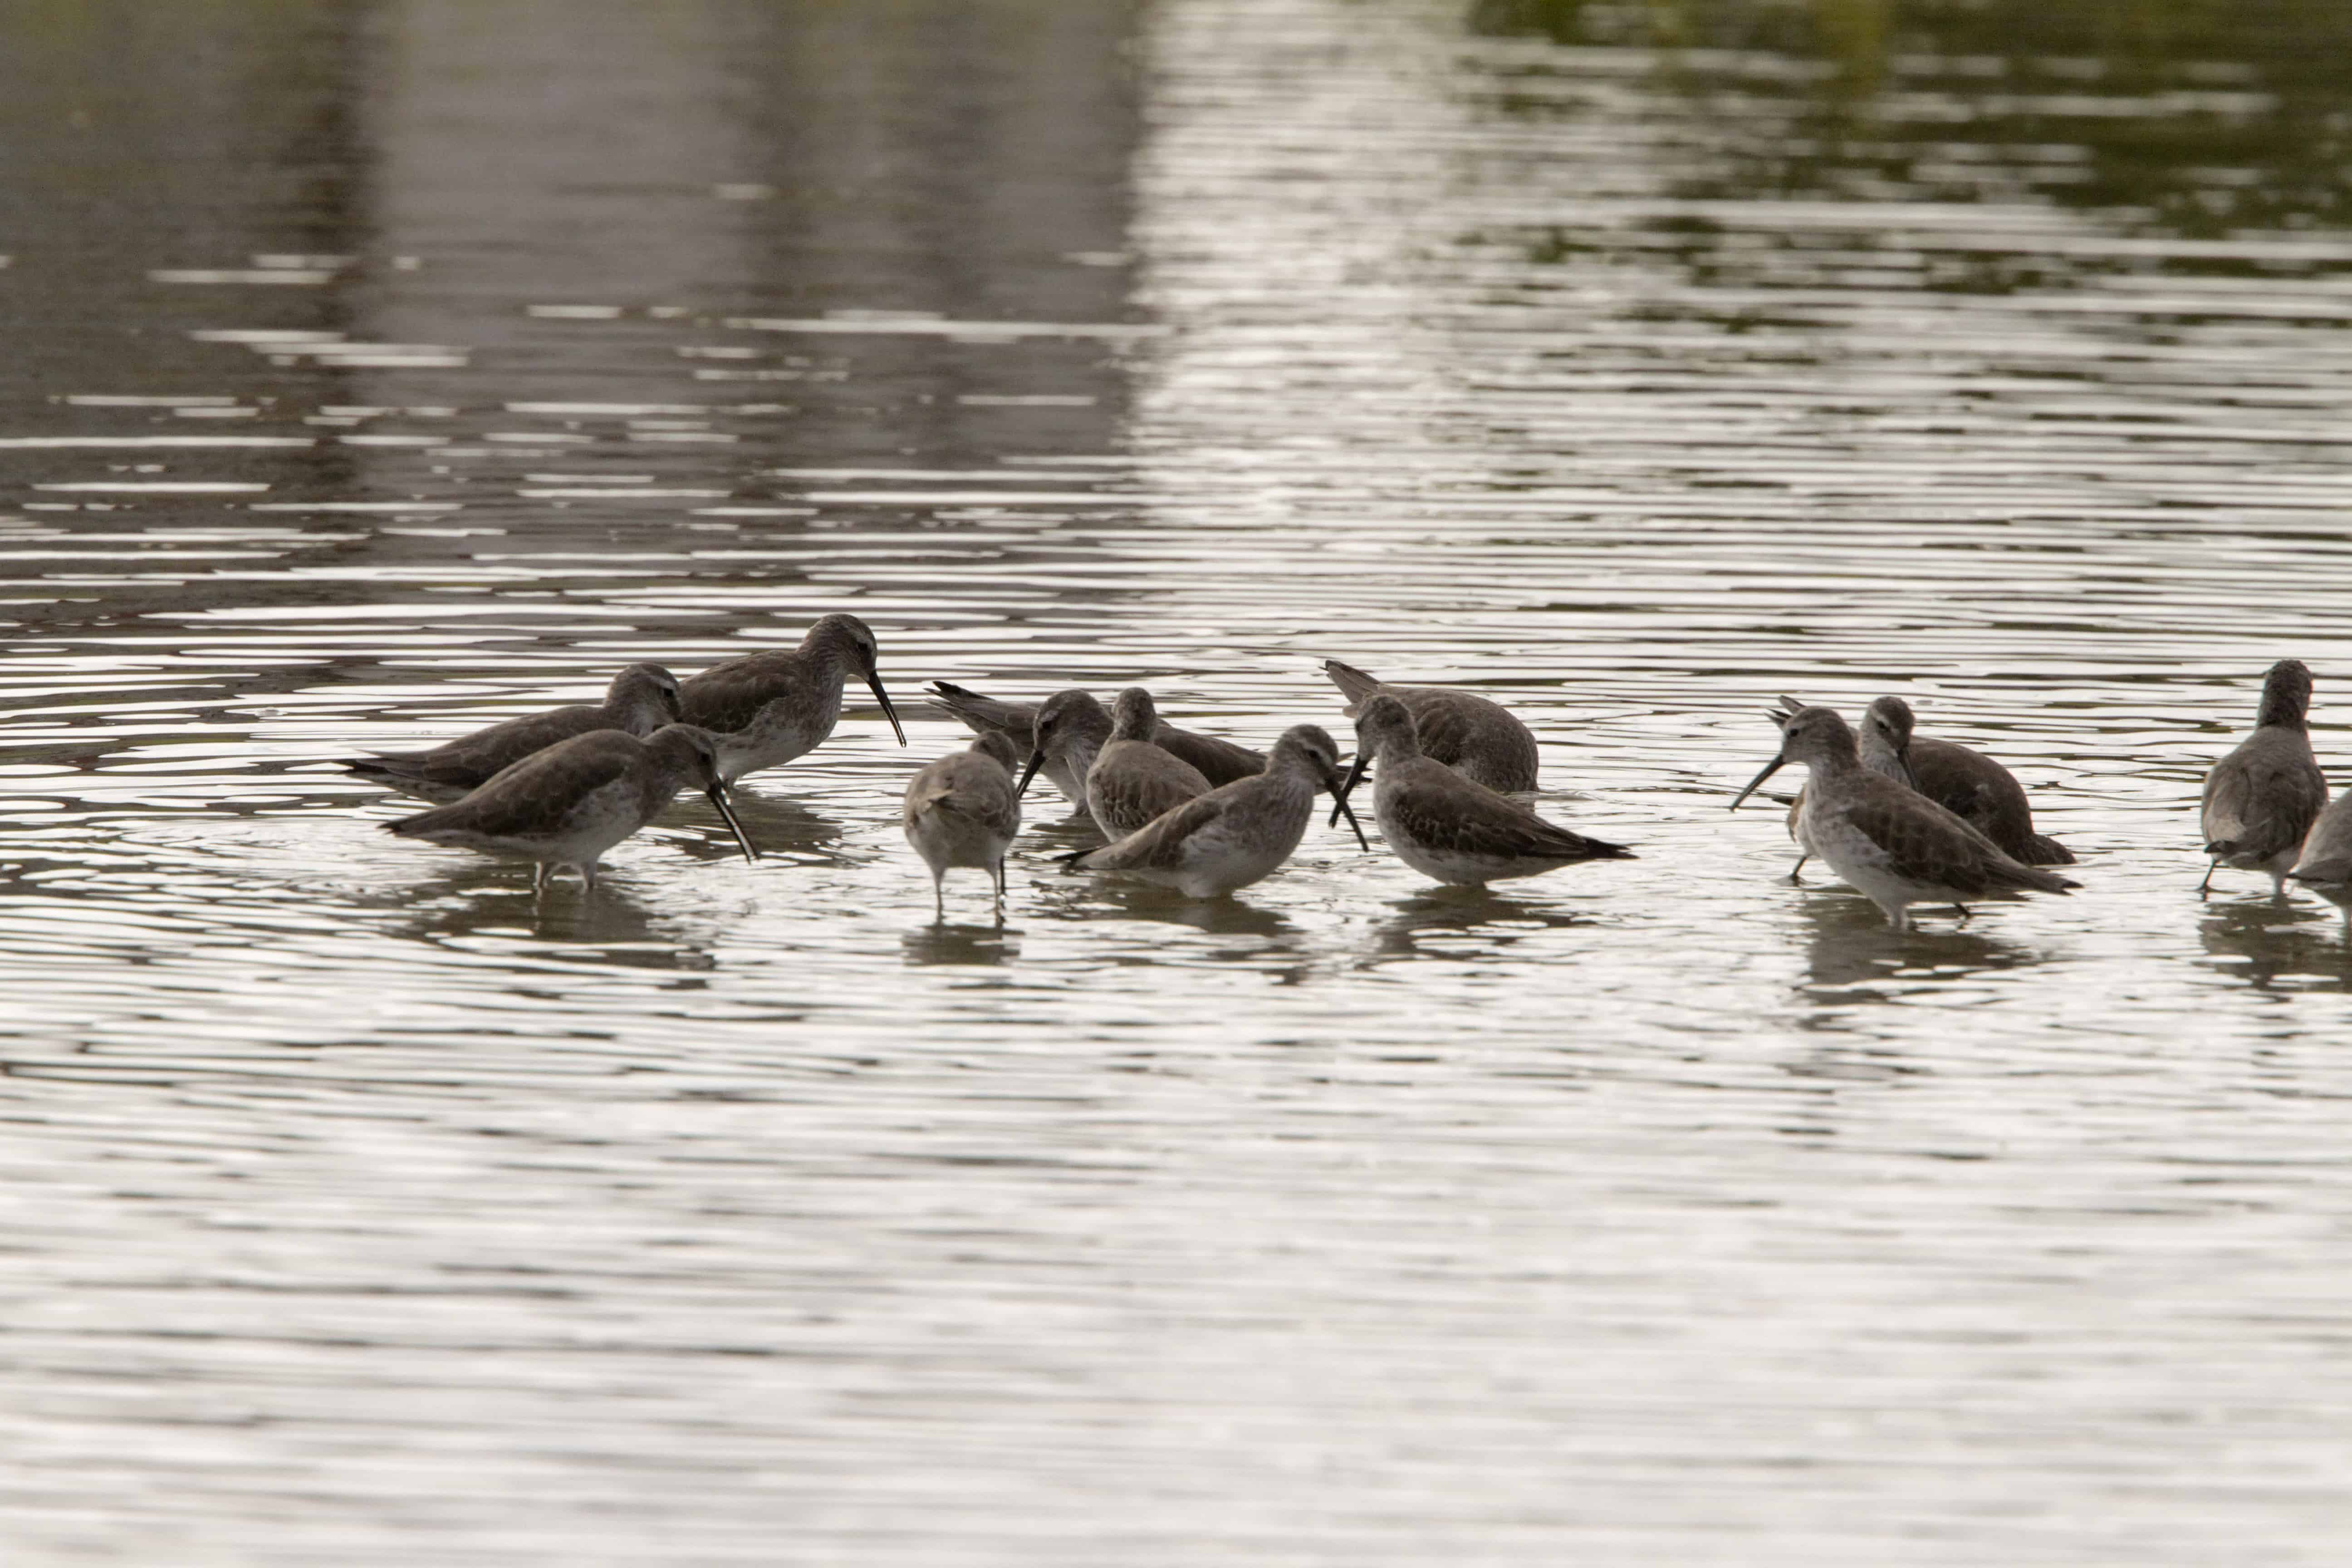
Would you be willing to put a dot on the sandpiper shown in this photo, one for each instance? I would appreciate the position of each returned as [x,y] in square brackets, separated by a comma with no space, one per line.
[1219,760]
[1447,825]
[1133,780]
[1237,832]
[567,804]
[1892,843]
[1067,731]
[964,811]
[1964,782]
[2326,864]
[2262,799]
[1879,754]
[1477,739]
[768,708]
[643,698]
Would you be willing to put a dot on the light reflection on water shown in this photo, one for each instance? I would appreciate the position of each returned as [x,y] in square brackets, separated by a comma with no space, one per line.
[367,1205]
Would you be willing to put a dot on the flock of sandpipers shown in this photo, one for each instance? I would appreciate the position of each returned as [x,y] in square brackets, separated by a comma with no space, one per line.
[1904,818]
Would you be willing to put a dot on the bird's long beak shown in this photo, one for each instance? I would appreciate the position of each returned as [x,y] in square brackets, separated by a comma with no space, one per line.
[1036,760]
[1347,788]
[1340,808]
[718,794]
[873,680]
[1769,769]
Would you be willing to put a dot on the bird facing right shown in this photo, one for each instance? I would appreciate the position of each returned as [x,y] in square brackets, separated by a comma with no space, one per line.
[1236,833]
[2262,799]
[567,804]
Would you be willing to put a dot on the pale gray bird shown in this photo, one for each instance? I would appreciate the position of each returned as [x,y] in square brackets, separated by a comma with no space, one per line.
[1892,844]
[642,699]
[567,804]
[962,810]
[768,708]
[1445,825]
[1477,739]
[1238,832]
[2262,799]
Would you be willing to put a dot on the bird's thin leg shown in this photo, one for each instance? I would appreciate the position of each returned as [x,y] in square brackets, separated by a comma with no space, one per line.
[939,898]
[538,876]
[1962,910]
[1795,870]
[2209,866]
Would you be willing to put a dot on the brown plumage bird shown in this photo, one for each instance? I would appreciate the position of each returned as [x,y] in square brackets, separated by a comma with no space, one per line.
[962,810]
[768,708]
[642,699]
[1477,739]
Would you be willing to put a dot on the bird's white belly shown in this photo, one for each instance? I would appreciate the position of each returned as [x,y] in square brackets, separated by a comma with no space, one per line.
[944,840]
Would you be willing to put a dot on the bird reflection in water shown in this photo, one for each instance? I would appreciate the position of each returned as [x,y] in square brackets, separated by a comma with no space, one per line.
[965,946]
[608,918]
[1431,924]
[1848,943]
[2263,942]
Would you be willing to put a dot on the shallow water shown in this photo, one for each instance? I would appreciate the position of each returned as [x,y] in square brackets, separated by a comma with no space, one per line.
[378,372]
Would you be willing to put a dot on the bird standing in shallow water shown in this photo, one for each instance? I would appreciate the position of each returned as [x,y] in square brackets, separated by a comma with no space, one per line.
[1892,844]
[1477,739]
[2262,799]
[1133,780]
[642,699]
[1219,760]
[962,810]
[1966,782]
[1068,730]
[1236,833]
[1445,825]
[567,804]
[765,709]
[2325,865]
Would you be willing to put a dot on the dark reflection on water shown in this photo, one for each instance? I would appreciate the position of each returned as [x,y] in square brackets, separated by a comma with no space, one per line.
[376,371]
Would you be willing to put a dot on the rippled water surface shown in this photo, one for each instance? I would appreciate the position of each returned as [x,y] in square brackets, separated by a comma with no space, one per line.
[376,371]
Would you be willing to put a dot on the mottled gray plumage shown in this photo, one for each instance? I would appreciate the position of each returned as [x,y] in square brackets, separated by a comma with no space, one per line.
[1892,843]
[1964,782]
[962,810]
[1236,833]
[1219,760]
[1477,739]
[2262,799]
[568,803]
[1447,826]
[1134,780]
[642,699]
[768,708]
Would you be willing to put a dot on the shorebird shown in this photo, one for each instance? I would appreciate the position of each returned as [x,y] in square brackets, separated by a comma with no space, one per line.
[1238,832]
[2262,799]
[1964,782]
[1892,843]
[1447,825]
[1475,738]
[1133,780]
[962,811]
[1219,762]
[567,804]
[643,698]
[768,708]
[1067,732]
[2325,865]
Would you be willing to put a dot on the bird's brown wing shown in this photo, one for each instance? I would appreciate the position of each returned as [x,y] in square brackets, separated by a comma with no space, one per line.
[1450,815]
[533,794]
[1219,762]
[727,697]
[1353,683]
[1157,845]
[1924,842]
